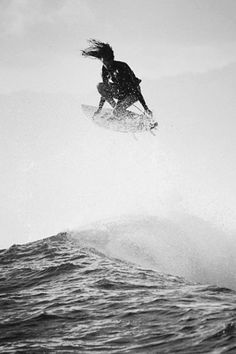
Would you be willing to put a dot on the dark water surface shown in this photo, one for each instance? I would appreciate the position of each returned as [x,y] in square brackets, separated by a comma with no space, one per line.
[57,296]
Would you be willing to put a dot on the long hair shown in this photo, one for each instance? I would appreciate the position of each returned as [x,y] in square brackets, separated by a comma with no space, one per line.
[98,50]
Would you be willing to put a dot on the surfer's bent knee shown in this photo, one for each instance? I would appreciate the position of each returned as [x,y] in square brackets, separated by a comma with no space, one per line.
[102,88]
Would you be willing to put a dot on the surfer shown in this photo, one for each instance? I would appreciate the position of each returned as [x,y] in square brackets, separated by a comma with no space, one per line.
[119,87]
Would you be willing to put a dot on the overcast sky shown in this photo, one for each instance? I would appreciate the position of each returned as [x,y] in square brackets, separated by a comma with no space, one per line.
[41,40]
[59,170]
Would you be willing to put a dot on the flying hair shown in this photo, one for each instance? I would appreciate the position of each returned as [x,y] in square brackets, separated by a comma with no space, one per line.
[98,50]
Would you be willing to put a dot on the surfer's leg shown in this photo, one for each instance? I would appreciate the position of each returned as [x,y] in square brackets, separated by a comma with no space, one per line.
[123,104]
[106,92]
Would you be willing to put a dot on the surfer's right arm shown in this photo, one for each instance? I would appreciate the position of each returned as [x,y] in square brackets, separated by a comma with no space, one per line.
[105,79]
[101,104]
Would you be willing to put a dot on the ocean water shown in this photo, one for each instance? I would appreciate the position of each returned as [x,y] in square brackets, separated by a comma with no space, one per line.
[63,294]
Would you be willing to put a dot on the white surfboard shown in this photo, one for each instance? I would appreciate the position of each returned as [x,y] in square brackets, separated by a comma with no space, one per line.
[129,123]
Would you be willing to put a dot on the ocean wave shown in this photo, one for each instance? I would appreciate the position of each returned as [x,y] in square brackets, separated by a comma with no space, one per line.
[25,277]
[187,247]
[81,299]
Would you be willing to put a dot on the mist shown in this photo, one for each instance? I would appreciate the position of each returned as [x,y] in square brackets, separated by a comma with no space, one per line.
[61,171]
[183,245]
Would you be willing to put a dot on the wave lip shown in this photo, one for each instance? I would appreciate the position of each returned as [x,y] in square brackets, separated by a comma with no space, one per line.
[186,246]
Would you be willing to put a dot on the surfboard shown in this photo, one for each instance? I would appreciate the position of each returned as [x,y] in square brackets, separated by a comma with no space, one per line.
[130,122]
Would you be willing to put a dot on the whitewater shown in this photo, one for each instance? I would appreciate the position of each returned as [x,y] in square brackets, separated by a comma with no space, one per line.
[99,290]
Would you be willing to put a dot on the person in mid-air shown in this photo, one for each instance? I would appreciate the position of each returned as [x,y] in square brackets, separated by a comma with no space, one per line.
[119,87]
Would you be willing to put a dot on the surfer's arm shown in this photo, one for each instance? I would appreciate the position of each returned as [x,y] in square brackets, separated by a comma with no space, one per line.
[141,99]
[134,83]
[101,104]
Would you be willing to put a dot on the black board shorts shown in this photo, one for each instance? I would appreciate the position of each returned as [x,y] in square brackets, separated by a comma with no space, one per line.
[119,93]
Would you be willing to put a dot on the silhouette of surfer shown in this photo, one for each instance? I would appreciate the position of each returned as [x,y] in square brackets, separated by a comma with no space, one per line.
[119,87]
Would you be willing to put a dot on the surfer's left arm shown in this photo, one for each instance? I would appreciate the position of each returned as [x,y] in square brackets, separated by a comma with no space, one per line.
[134,81]
[138,94]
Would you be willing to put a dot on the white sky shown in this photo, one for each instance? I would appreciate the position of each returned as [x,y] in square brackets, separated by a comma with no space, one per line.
[41,40]
[58,170]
